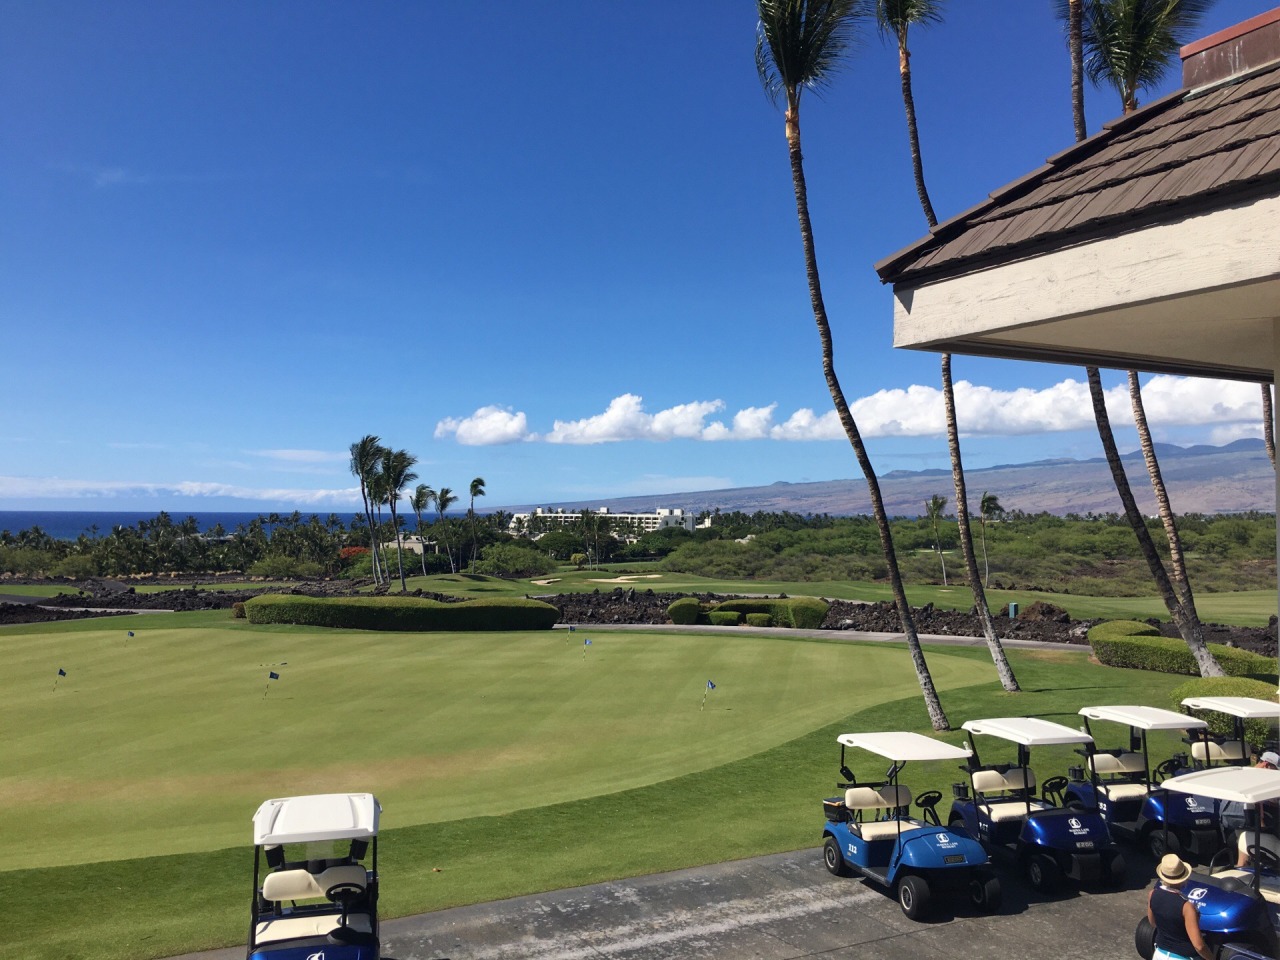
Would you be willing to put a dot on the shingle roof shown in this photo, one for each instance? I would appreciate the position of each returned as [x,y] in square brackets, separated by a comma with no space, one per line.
[1180,153]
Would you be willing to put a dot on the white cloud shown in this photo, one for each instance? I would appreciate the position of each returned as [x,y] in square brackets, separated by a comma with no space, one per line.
[486,427]
[302,456]
[43,488]
[916,411]
[1221,436]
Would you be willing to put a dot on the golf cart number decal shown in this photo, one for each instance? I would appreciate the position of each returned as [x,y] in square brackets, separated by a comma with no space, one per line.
[853,849]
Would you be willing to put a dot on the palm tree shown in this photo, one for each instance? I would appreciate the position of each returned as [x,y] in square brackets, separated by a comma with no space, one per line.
[1130,44]
[1075,43]
[988,509]
[933,508]
[444,500]
[895,17]
[423,497]
[477,490]
[1268,424]
[366,454]
[397,472]
[800,44]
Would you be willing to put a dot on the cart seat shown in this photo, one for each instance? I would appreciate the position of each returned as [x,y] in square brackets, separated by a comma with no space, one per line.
[1228,751]
[291,885]
[295,927]
[880,798]
[1003,795]
[1270,888]
[1118,773]
[1116,792]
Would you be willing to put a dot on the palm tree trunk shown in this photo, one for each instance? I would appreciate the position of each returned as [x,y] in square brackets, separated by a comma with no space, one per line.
[1075,44]
[933,705]
[373,546]
[1003,669]
[1268,424]
[909,102]
[1190,629]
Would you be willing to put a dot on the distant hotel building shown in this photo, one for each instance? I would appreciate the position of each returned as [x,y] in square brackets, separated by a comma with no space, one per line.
[627,526]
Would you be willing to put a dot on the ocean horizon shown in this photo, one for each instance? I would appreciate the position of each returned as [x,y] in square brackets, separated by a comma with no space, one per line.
[69,524]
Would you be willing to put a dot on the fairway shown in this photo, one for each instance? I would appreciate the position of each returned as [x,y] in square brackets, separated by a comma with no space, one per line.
[166,741]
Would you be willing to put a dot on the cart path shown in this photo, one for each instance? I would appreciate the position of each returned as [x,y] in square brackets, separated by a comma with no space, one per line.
[780,907]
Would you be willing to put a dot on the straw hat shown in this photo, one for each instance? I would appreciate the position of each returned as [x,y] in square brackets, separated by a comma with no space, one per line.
[1173,870]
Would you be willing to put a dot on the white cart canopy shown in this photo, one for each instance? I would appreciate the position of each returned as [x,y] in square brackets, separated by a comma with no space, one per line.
[1145,718]
[901,747]
[1241,784]
[1248,707]
[1028,731]
[327,816]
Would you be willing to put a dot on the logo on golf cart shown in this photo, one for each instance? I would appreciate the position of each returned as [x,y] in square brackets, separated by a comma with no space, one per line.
[1193,804]
[945,841]
[318,955]
[1074,823]
[1197,893]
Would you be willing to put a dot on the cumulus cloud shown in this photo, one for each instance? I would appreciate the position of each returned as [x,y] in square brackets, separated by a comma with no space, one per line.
[1233,409]
[486,427]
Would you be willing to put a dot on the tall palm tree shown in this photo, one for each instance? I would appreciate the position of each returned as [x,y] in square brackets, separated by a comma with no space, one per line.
[1075,43]
[933,508]
[1268,424]
[366,454]
[397,472]
[423,497]
[800,44]
[895,18]
[477,490]
[988,509]
[1129,45]
[445,498]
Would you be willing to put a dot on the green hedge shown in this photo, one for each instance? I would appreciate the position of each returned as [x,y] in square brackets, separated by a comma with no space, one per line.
[759,620]
[402,613]
[805,613]
[1255,731]
[1122,628]
[685,611]
[1116,648]
[724,618]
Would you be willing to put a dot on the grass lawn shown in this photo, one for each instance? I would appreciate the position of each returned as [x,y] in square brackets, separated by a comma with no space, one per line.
[508,761]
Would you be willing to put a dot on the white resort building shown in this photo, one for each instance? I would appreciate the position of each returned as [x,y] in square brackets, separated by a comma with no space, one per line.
[625,526]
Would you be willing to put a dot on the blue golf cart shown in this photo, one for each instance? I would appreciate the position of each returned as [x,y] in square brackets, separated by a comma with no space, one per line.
[999,806]
[1124,785]
[870,830]
[313,894]
[1237,906]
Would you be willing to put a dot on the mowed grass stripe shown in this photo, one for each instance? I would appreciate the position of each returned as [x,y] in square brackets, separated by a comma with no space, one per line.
[167,741]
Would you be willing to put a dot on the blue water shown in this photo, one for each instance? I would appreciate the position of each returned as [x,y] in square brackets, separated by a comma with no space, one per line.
[69,524]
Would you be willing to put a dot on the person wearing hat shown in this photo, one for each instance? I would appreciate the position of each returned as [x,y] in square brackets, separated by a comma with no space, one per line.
[1270,760]
[1173,915]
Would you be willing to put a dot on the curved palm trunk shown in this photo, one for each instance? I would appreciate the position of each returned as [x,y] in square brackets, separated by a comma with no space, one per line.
[932,704]
[909,102]
[404,587]
[1268,424]
[1188,626]
[1075,43]
[373,544]
[1003,669]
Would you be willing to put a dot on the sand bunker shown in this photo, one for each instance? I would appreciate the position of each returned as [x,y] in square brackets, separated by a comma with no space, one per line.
[546,583]
[631,578]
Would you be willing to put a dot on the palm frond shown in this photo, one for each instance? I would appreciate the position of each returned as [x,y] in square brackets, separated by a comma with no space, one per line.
[894,16]
[1131,44]
[803,43]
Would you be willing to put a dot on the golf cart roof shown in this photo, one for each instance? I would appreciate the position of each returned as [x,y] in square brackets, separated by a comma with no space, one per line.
[901,746]
[326,816]
[1028,731]
[1241,784]
[1144,718]
[1247,707]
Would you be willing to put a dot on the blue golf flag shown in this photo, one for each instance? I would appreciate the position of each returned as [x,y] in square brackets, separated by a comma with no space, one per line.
[571,628]
[131,633]
[710,685]
[586,643]
[272,675]
[61,672]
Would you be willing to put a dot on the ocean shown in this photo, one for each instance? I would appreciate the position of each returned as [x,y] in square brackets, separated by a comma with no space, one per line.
[69,524]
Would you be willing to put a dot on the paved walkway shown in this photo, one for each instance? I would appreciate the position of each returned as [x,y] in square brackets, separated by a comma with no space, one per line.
[781,907]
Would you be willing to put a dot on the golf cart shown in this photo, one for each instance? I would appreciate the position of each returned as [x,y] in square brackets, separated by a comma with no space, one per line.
[998,805]
[313,895]
[870,830]
[1209,751]
[1123,785]
[1236,905]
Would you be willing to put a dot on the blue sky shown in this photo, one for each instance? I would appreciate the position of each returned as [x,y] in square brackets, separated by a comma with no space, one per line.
[549,244]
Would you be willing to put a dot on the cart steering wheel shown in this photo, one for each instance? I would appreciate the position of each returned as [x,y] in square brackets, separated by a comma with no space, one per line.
[1264,857]
[927,801]
[344,894]
[1053,788]
[1164,770]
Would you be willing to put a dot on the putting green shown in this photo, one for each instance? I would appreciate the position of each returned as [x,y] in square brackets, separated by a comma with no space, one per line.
[165,742]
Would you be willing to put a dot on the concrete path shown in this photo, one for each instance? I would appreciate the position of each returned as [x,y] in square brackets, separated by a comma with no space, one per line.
[781,907]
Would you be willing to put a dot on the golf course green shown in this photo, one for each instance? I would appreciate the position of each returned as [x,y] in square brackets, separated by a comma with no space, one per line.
[506,762]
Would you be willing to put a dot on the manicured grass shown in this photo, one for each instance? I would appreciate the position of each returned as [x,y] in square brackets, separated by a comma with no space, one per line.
[754,789]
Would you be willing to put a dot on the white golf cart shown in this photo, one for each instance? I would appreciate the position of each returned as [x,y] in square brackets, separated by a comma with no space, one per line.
[315,896]
[1237,906]
[1210,751]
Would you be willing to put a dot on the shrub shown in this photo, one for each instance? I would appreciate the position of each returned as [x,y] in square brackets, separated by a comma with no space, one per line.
[402,613]
[78,566]
[1255,731]
[1122,628]
[805,613]
[277,567]
[685,611]
[1142,651]
[759,620]
[510,560]
[724,618]
[237,610]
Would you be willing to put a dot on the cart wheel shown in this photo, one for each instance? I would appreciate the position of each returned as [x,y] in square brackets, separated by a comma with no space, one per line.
[1117,870]
[1144,939]
[913,896]
[984,891]
[833,858]
[1043,872]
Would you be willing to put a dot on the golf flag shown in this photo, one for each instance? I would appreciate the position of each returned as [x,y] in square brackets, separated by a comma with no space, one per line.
[271,675]
[571,628]
[710,686]
[131,633]
[61,672]
[585,644]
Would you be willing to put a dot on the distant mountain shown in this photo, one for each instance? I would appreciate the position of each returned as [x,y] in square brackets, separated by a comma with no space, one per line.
[1201,479]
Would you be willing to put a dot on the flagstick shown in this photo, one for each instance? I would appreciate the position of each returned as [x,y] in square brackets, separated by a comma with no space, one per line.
[266,691]
[704,700]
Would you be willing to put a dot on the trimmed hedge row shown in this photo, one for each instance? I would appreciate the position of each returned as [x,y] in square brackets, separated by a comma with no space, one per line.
[805,613]
[1255,731]
[401,613]
[1139,646]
